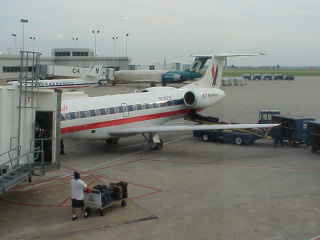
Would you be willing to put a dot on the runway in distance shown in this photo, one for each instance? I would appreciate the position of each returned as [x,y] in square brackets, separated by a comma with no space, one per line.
[91,78]
[112,117]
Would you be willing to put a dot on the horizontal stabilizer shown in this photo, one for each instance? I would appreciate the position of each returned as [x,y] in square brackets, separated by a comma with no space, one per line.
[224,55]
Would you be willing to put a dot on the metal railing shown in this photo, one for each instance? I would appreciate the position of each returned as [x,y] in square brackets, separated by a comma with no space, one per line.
[8,155]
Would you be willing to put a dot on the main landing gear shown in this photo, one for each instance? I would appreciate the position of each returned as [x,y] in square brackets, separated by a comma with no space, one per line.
[112,141]
[154,141]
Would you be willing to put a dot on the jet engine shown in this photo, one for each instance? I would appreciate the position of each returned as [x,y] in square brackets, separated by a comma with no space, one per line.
[201,98]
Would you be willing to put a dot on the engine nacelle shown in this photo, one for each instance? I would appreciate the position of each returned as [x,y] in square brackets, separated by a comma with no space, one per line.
[201,98]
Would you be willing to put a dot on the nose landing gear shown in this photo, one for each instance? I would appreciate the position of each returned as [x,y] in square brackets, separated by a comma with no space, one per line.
[154,141]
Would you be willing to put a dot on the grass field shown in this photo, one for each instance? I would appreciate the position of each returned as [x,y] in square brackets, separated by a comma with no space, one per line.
[239,72]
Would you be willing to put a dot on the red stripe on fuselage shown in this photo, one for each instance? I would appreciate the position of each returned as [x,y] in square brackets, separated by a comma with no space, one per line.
[121,121]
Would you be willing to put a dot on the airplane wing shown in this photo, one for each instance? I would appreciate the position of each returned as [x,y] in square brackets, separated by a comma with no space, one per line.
[181,128]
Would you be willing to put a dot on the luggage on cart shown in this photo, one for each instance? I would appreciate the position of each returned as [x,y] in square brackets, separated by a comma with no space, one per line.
[103,196]
[119,190]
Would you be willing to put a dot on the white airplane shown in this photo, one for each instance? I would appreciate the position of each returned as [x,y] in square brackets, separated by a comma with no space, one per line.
[90,79]
[160,76]
[138,75]
[112,117]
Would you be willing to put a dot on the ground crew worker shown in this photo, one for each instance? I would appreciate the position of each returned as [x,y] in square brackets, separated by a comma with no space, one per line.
[62,147]
[277,134]
[77,196]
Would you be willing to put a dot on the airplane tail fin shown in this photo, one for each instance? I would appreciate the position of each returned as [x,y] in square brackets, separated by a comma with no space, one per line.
[94,73]
[213,76]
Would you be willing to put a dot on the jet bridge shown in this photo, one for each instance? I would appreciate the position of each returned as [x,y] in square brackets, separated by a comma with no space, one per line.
[29,127]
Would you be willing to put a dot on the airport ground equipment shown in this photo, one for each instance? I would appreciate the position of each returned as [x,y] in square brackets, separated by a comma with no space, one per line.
[234,81]
[247,76]
[267,77]
[102,197]
[278,77]
[228,136]
[257,77]
[289,77]
[265,116]
[236,136]
[314,134]
[294,129]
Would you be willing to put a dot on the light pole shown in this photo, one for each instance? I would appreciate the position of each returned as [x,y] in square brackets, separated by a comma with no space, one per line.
[95,32]
[33,44]
[15,42]
[23,21]
[76,41]
[126,44]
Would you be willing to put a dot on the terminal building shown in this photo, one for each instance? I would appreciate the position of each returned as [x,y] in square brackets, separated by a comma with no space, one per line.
[75,57]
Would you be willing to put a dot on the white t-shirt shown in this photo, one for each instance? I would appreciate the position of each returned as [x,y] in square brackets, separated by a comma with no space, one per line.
[77,187]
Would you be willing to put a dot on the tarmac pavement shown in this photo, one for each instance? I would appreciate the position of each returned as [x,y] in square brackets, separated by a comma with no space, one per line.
[190,189]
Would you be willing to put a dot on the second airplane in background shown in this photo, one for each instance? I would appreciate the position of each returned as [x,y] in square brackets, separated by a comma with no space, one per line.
[91,78]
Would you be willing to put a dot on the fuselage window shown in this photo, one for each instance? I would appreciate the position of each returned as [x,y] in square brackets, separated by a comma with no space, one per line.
[139,107]
[120,109]
[67,116]
[102,111]
[84,114]
[147,106]
[72,115]
[97,112]
[92,113]
[130,108]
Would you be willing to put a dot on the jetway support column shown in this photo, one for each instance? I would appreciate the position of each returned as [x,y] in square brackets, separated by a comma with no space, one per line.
[58,126]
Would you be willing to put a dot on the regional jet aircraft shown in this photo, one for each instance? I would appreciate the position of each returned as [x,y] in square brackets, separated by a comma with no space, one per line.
[90,79]
[163,76]
[112,117]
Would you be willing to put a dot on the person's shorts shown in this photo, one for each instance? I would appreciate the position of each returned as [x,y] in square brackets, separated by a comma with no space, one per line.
[77,203]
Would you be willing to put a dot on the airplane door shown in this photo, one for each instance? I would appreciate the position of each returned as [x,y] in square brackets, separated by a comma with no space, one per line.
[125,110]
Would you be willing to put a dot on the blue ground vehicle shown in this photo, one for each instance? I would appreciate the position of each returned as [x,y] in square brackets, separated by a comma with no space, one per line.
[289,77]
[247,76]
[267,77]
[294,129]
[257,77]
[238,137]
[314,135]
[278,77]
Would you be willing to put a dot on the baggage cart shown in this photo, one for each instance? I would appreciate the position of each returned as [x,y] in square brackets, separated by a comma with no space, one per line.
[99,200]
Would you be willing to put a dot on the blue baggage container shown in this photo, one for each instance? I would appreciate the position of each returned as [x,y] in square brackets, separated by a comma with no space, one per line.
[294,128]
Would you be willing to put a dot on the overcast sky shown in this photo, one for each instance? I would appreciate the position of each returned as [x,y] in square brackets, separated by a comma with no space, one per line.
[287,30]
